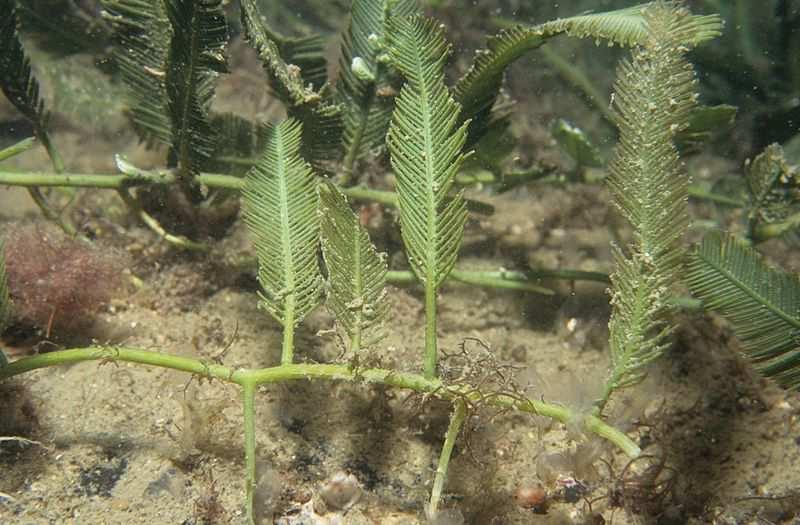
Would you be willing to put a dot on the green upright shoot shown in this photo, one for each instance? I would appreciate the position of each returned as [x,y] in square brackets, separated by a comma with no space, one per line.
[425,143]
[356,272]
[654,95]
[280,210]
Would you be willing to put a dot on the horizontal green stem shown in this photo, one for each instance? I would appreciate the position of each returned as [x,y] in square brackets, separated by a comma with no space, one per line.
[137,177]
[507,180]
[154,178]
[83,180]
[700,193]
[499,280]
[216,180]
[510,279]
[362,193]
[331,372]
[515,280]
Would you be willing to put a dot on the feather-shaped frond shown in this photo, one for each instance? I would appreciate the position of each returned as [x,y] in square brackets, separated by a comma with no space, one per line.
[5,299]
[774,188]
[286,79]
[649,186]
[653,98]
[367,82]
[762,303]
[237,138]
[425,143]
[356,271]
[63,28]
[16,80]
[281,59]
[142,34]
[196,59]
[322,130]
[637,332]
[477,90]
[307,53]
[280,210]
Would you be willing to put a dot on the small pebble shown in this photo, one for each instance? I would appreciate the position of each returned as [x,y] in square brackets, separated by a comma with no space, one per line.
[531,497]
[341,492]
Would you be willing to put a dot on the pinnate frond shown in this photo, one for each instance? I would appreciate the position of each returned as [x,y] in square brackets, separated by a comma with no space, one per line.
[477,90]
[280,210]
[294,70]
[366,111]
[762,303]
[141,39]
[16,79]
[307,53]
[637,330]
[238,138]
[653,97]
[356,271]
[196,58]
[774,187]
[170,53]
[425,143]
[287,82]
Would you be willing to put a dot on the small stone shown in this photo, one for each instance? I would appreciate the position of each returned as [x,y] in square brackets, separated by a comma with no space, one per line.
[341,492]
[531,497]
[120,504]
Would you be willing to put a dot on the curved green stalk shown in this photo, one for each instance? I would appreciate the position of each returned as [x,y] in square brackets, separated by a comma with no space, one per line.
[152,223]
[249,411]
[15,149]
[329,372]
[456,421]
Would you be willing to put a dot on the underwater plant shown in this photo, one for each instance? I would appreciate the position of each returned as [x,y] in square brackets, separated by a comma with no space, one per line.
[391,100]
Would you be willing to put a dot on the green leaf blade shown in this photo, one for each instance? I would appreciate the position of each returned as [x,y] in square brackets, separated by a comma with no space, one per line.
[356,271]
[280,203]
[425,148]
[762,303]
